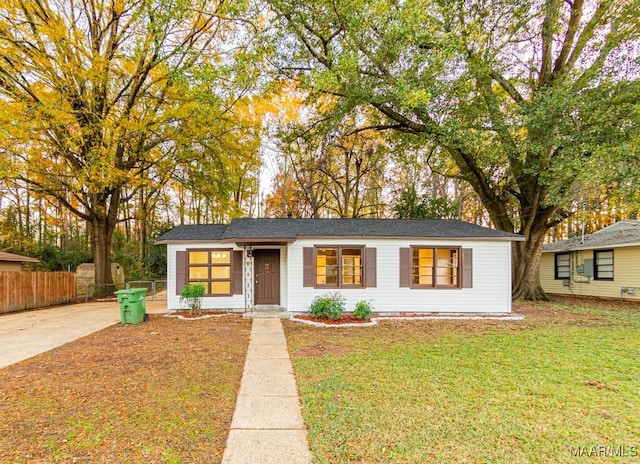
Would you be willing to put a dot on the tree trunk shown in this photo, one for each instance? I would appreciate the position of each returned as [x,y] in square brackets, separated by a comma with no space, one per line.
[526,255]
[142,226]
[101,234]
[102,223]
[526,265]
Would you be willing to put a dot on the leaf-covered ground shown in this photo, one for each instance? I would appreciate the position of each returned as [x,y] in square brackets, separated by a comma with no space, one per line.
[546,389]
[159,392]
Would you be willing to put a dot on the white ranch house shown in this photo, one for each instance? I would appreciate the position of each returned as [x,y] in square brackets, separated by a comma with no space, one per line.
[399,265]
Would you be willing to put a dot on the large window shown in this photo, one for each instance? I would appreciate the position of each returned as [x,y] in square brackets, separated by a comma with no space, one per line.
[211,268]
[339,266]
[563,266]
[435,267]
[603,264]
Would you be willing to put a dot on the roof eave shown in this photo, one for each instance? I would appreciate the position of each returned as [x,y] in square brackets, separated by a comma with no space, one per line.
[594,247]
[417,237]
[183,241]
[250,240]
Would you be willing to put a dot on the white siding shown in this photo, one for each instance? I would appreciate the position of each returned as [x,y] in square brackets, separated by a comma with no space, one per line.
[626,273]
[491,292]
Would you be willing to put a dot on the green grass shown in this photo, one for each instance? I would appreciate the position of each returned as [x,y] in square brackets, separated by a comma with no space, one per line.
[516,392]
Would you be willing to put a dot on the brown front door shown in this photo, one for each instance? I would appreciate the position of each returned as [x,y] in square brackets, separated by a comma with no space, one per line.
[266,264]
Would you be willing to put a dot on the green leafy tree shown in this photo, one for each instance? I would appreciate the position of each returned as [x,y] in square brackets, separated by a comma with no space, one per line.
[525,97]
[412,205]
[97,92]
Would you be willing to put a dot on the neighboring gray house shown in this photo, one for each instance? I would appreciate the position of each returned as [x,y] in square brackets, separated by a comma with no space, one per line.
[399,265]
[604,264]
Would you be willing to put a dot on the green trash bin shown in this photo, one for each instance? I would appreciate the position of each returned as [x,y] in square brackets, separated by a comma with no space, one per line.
[132,305]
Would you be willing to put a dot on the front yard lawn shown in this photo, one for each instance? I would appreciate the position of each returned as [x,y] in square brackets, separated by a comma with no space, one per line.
[159,392]
[563,383]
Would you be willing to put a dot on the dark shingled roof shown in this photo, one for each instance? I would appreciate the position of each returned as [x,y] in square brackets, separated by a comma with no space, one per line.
[625,233]
[199,232]
[277,229]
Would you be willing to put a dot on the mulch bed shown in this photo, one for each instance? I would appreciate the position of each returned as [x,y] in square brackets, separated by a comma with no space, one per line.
[345,319]
[201,315]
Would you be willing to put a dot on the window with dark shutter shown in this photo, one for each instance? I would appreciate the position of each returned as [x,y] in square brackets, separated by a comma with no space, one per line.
[339,266]
[218,270]
[436,267]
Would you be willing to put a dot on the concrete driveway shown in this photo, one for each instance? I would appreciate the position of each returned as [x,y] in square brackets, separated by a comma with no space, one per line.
[28,333]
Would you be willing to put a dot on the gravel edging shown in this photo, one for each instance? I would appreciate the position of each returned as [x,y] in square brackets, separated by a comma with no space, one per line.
[205,316]
[373,321]
[449,317]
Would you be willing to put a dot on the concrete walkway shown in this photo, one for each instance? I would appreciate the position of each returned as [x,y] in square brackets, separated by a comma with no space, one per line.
[29,333]
[267,425]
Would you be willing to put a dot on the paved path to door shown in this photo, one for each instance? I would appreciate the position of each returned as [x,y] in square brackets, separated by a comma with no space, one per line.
[267,425]
[29,333]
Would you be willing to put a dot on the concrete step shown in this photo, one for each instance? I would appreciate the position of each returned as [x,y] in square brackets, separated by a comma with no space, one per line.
[267,312]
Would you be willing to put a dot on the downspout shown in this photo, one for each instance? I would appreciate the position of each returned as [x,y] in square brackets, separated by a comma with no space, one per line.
[584,209]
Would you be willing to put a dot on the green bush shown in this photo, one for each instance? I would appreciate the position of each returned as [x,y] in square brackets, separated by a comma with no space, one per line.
[363,310]
[329,306]
[192,295]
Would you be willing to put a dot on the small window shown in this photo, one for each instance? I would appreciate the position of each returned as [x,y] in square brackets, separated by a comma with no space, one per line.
[435,267]
[603,264]
[211,268]
[563,266]
[339,266]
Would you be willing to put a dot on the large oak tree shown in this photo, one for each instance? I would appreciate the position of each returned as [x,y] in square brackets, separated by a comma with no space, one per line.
[526,97]
[95,93]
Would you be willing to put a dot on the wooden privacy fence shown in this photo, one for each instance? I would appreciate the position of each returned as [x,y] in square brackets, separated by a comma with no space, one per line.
[27,290]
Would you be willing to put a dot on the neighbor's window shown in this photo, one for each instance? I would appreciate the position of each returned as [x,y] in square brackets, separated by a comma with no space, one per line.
[435,267]
[211,268]
[563,265]
[603,264]
[339,266]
